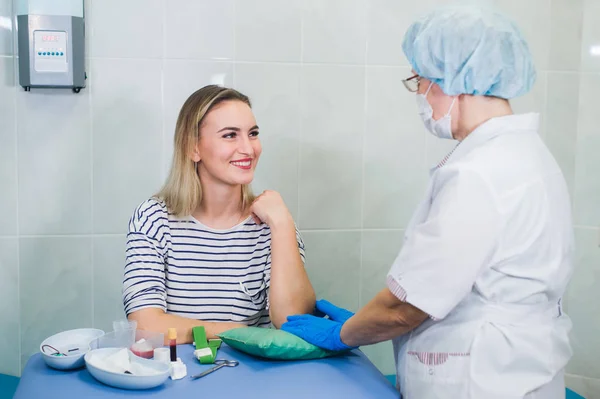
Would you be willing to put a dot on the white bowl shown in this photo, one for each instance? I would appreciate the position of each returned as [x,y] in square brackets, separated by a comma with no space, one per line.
[126,338]
[95,365]
[73,343]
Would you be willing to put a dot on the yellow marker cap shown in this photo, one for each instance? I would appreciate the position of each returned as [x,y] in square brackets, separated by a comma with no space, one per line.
[172,334]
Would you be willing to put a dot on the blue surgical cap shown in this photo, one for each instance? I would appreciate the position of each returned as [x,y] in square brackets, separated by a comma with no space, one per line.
[470,50]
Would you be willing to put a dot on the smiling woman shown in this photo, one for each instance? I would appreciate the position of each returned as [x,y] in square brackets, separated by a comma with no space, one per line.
[204,251]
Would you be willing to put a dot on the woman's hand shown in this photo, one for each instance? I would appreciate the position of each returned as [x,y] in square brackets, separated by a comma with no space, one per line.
[269,208]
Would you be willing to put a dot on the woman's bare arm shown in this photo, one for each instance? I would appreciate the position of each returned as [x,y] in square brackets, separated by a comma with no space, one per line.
[154,319]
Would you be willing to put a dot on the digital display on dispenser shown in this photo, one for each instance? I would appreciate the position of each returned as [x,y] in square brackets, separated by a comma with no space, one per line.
[50,51]
[51,45]
[50,38]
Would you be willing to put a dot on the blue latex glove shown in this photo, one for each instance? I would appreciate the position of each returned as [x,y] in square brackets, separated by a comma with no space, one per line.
[335,313]
[324,333]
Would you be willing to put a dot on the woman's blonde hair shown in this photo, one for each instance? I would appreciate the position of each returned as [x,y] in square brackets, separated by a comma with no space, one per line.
[182,192]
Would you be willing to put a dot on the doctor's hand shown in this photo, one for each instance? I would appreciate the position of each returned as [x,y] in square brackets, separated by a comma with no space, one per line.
[324,333]
[335,313]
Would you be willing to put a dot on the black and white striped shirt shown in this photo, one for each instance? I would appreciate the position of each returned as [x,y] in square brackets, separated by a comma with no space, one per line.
[191,270]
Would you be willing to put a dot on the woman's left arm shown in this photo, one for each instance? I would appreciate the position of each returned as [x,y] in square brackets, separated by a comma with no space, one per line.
[290,289]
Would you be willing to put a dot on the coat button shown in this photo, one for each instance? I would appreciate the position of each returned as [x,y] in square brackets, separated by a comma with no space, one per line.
[430,371]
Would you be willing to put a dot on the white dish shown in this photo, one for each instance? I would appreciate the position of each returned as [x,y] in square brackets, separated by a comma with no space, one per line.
[96,366]
[73,343]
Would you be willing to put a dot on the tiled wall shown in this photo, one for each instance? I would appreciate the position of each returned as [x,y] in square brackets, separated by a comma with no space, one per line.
[342,143]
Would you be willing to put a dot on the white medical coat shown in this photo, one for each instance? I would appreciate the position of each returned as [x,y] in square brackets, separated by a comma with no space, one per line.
[488,255]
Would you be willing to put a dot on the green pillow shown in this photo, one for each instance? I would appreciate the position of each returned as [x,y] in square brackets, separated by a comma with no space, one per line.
[270,343]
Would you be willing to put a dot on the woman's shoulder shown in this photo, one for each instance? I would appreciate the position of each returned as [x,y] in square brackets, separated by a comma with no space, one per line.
[151,211]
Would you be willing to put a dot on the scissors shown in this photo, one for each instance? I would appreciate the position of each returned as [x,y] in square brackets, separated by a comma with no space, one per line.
[220,363]
[57,352]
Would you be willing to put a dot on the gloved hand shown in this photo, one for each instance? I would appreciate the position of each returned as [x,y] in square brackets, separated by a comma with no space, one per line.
[324,333]
[335,313]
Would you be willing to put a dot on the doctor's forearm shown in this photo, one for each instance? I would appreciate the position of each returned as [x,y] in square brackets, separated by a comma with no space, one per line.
[290,291]
[382,319]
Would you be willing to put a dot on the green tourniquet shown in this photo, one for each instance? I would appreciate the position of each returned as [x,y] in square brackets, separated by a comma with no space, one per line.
[199,334]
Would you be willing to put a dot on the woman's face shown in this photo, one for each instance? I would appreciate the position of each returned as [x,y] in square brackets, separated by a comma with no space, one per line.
[228,149]
[440,102]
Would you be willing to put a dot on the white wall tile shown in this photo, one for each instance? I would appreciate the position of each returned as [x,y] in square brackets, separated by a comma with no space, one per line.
[394,150]
[127,29]
[576,384]
[8,154]
[9,312]
[388,21]
[6,27]
[592,388]
[181,79]
[109,263]
[590,40]
[268,30]
[382,356]
[561,127]
[335,31]
[566,31]
[533,17]
[127,129]
[331,146]
[587,183]
[54,162]
[379,250]
[333,266]
[584,302]
[588,388]
[274,90]
[199,29]
[534,101]
[55,288]
[87,15]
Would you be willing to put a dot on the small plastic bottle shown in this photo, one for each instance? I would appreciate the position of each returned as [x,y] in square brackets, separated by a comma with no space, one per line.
[172,336]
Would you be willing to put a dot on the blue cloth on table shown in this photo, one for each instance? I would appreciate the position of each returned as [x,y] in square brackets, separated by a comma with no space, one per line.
[346,376]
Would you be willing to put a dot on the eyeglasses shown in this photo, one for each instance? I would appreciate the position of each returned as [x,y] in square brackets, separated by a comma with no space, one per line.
[412,83]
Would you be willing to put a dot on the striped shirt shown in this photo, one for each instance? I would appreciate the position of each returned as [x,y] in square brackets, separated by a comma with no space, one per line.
[188,269]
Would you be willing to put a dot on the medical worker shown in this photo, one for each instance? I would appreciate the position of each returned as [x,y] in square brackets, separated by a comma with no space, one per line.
[473,299]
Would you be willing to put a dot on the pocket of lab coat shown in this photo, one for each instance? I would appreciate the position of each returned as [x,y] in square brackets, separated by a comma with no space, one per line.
[436,374]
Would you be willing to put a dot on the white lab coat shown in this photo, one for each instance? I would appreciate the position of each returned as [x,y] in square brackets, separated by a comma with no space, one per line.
[488,255]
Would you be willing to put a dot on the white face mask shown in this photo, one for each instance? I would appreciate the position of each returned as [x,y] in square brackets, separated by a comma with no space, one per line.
[441,128]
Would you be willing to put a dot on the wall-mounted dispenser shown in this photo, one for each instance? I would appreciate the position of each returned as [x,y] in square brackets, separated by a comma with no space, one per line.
[51,41]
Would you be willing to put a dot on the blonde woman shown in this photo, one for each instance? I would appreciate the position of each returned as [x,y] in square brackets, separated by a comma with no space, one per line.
[204,251]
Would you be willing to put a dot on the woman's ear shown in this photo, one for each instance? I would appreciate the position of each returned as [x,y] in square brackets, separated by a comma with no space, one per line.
[195,155]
